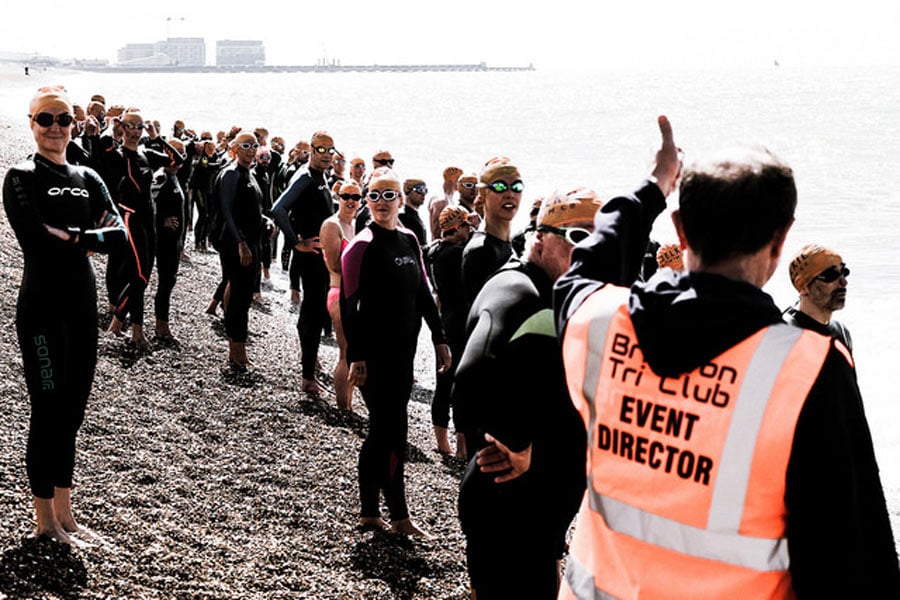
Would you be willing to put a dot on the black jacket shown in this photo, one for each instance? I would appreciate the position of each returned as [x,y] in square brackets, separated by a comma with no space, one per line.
[839,534]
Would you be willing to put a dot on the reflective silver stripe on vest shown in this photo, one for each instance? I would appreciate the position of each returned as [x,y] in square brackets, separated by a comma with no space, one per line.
[582,582]
[721,539]
[733,475]
[598,330]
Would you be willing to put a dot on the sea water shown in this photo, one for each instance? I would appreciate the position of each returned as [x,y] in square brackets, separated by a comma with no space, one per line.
[839,128]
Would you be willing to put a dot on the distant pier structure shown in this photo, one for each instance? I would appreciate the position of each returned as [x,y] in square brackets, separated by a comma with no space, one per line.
[329,67]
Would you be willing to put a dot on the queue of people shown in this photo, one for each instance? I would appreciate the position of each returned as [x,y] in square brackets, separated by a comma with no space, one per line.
[708,448]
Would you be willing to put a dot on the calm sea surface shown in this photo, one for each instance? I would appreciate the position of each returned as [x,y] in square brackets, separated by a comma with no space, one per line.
[838,128]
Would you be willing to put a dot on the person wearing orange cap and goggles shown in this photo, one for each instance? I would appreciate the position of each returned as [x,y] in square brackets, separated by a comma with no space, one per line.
[524,436]
[384,298]
[443,258]
[820,276]
[59,213]
[500,189]
[299,213]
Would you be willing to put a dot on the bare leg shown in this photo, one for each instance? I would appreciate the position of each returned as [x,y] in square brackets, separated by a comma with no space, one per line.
[443,441]
[115,326]
[343,389]
[461,452]
[47,524]
[163,331]
[213,305]
[407,527]
[237,354]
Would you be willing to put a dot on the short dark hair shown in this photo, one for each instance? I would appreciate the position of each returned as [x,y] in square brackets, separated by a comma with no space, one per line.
[735,203]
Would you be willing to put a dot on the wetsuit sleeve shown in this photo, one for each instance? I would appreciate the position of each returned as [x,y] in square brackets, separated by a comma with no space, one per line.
[23,215]
[838,520]
[350,299]
[109,232]
[282,209]
[106,159]
[161,155]
[614,252]
[427,307]
[227,199]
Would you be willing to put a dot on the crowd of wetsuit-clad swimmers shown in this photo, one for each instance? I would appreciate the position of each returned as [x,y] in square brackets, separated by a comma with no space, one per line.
[363,264]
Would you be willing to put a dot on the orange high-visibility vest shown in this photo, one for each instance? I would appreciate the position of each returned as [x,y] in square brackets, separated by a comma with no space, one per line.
[685,475]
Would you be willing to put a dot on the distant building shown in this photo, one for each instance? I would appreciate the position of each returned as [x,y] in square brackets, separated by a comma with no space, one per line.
[182,52]
[240,53]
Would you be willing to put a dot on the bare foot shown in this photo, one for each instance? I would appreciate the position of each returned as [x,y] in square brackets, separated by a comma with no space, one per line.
[162,330]
[140,340]
[115,326]
[461,453]
[311,386]
[57,534]
[373,524]
[443,442]
[407,527]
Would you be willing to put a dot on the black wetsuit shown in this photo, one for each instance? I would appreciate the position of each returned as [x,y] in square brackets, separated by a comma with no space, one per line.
[444,261]
[510,383]
[56,314]
[299,213]
[384,296]
[410,219]
[265,184]
[128,272]
[170,203]
[240,206]
[483,255]
[836,329]
[203,179]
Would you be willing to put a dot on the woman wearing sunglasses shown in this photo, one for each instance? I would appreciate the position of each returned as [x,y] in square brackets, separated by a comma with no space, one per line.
[240,205]
[59,213]
[384,296]
[128,170]
[335,235]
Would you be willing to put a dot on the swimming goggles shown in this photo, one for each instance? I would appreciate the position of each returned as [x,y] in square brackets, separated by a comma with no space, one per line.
[386,195]
[573,235]
[501,186]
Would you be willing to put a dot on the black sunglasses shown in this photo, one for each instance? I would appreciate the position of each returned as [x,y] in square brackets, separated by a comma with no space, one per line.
[354,197]
[45,119]
[833,273]
[388,162]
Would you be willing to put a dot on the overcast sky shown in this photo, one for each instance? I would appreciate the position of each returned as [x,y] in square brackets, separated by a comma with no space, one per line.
[552,34]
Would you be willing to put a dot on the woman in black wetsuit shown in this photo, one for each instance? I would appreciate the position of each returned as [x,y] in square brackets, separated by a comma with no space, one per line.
[384,296]
[59,212]
[240,205]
